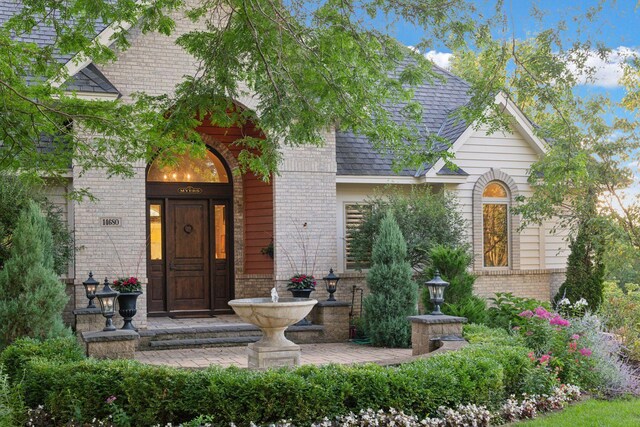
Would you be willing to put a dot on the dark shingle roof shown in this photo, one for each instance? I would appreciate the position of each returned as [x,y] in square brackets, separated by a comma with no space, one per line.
[89,79]
[439,99]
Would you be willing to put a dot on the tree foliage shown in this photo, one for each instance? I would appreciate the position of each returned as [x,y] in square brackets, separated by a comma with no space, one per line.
[426,219]
[453,263]
[394,294]
[585,269]
[32,297]
[592,140]
[15,195]
[309,66]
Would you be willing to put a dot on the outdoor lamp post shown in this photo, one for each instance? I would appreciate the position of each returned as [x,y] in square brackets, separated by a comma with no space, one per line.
[107,299]
[436,288]
[90,288]
[331,281]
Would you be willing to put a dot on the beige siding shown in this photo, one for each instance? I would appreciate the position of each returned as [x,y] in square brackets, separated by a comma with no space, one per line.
[513,155]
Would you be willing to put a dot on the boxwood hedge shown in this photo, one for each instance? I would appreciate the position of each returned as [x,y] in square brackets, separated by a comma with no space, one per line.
[70,386]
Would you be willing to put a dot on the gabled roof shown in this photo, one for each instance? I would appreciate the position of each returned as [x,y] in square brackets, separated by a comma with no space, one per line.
[439,100]
[88,79]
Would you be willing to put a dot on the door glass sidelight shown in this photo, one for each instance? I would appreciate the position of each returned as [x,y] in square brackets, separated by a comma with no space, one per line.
[220,231]
[155,231]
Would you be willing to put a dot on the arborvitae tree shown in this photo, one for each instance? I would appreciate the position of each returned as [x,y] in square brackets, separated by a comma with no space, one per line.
[394,294]
[585,269]
[32,297]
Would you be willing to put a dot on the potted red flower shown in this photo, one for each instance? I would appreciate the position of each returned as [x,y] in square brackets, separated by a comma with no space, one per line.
[130,289]
[301,285]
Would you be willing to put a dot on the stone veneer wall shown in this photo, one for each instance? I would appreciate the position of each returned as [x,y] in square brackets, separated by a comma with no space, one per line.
[305,211]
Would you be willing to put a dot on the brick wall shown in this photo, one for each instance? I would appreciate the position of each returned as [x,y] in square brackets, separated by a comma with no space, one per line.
[539,284]
[111,251]
[305,212]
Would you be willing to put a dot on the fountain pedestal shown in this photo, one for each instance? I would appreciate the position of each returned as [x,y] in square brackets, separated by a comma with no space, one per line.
[272,357]
[274,349]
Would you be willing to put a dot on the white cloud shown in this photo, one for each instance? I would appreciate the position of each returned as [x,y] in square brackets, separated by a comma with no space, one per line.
[607,71]
[441,59]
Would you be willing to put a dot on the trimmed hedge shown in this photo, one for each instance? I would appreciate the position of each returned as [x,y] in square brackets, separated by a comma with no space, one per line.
[15,357]
[70,387]
[481,334]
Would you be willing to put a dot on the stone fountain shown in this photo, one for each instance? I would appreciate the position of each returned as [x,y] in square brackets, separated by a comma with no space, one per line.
[272,315]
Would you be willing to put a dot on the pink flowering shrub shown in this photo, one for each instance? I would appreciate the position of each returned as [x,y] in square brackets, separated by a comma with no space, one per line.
[556,348]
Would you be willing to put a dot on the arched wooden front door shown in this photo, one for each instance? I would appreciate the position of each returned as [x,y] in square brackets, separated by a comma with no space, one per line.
[189,226]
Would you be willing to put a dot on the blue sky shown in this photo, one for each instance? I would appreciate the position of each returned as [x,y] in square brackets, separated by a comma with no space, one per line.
[617,26]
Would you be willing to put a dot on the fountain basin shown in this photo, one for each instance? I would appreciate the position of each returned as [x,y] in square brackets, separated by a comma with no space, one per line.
[264,313]
[274,349]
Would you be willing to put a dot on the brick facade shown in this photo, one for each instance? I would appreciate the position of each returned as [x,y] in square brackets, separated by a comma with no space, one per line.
[305,212]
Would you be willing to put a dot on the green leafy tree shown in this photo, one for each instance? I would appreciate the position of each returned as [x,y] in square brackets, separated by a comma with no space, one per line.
[426,219]
[311,65]
[32,297]
[585,269]
[394,294]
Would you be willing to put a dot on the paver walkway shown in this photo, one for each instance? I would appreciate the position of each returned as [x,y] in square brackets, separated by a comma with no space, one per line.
[312,354]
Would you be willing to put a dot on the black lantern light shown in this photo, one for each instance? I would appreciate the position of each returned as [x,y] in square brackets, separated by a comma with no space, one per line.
[90,288]
[107,299]
[436,288]
[331,280]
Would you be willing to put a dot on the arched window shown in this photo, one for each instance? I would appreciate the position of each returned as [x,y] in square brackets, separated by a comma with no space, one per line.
[207,169]
[495,225]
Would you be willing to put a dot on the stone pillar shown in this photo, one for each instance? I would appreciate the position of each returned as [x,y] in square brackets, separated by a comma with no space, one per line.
[334,317]
[88,320]
[427,330]
[119,344]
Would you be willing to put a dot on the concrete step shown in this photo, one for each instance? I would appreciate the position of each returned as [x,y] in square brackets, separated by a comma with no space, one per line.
[202,342]
[226,335]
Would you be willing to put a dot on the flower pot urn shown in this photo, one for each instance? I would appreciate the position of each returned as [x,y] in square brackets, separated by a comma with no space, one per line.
[301,293]
[127,308]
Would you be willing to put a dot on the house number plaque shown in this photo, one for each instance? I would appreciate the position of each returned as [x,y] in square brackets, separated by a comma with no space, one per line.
[189,190]
[111,222]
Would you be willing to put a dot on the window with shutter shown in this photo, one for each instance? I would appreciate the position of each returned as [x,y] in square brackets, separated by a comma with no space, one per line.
[354,215]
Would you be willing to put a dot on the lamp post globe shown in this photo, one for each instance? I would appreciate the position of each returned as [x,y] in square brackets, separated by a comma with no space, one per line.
[331,282]
[90,288]
[107,298]
[436,288]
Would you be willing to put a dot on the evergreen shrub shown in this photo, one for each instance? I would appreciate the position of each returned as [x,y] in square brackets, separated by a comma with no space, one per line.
[15,196]
[483,374]
[393,293]
[453,264]
[32,297]
[585,271]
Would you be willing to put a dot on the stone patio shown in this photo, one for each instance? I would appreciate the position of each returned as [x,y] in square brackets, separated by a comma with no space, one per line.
[312,354]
